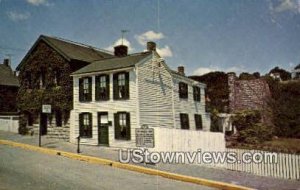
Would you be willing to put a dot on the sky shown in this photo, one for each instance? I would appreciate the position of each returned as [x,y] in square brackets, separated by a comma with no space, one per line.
[202,35]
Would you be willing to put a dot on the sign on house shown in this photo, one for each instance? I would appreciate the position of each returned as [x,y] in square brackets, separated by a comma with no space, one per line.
[144,137]
[46,108]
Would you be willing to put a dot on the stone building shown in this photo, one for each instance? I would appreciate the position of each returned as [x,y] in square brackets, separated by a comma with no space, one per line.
[44,75]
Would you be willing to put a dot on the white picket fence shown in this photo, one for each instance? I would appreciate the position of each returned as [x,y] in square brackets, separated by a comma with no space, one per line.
[287,165]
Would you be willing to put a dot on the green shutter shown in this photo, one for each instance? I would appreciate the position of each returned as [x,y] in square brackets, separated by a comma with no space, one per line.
[115,87]
[180,91]
[127,85]
[187,121]
[80,89]
[117,126]
[97,88]
[128,130]
[194,93]
[90,130]
[80,124]
[186,90]
[90,89]
[200,122]
[107,87]
[181,121]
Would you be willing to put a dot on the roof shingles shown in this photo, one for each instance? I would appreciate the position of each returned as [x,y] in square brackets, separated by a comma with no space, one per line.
[113,63]
[7,78]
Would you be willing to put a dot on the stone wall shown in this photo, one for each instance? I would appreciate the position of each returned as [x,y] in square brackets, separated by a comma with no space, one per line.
[247,94]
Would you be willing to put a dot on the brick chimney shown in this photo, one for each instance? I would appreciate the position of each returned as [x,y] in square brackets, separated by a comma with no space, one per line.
[6,62]
[180,70]
[121,51]
[151,46]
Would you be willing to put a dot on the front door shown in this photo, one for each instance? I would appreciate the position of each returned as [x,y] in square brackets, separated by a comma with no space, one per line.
[43,123]
[103,128]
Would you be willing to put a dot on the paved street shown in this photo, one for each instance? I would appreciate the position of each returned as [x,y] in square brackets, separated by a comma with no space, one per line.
[217,174]
[23,169]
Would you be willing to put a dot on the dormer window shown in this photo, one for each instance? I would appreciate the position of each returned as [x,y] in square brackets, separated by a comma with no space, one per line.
[102,87]
[121,85]
[85,89]
[183,90]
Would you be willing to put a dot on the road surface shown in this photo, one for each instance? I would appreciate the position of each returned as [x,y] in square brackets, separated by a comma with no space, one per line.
[23,169]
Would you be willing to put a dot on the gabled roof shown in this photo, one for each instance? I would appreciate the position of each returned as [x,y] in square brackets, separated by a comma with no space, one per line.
[113,63]
[70,50]
[7,77]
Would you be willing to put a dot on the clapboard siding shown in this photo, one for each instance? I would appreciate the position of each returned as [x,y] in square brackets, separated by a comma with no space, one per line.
[111,106]
[155,95]
[153,100]
[190,106]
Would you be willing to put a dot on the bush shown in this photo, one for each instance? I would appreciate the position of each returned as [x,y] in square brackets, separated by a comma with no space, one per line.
[257,133]
[23,130]
[250,129]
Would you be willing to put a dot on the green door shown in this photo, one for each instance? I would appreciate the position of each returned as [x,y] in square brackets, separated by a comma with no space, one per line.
[103,128]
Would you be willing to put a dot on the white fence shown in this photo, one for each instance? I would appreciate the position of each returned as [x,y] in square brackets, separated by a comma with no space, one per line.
[172,140]
[287,165]
[9,123]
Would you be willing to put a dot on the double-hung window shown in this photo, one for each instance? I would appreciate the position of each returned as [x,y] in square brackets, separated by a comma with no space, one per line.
[198,122]
[183,90]
[85,89]
[121,85]
[184,121]
[122,125]
[197,93]
[85,125]
[102,87]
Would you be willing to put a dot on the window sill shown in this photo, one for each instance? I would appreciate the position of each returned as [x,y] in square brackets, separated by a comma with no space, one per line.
[102,100]
[85,101]
[85,137]
[122,139]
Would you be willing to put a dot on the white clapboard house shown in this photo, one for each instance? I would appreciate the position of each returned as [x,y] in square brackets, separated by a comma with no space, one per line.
[114,96]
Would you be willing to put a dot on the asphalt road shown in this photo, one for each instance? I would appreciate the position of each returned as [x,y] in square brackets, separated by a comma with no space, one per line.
[23,169]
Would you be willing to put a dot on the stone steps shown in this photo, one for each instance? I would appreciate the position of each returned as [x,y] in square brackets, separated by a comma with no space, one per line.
[62,133]
[58,133]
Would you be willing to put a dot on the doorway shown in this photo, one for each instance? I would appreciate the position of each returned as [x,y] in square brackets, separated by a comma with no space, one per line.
[103,128]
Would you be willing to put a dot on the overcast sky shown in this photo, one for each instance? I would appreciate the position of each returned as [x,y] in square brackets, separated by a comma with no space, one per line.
[202,35]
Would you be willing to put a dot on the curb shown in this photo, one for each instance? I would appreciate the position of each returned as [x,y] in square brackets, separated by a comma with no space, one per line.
[149,171]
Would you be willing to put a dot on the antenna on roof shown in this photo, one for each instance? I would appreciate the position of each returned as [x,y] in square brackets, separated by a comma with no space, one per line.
[123,32]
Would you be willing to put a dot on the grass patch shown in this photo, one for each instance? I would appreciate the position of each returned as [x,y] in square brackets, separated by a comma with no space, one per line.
[284,145]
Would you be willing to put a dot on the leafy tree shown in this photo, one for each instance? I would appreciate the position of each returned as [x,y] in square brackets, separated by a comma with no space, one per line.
[286,109]
[284,75]
[217,90]
[248,76]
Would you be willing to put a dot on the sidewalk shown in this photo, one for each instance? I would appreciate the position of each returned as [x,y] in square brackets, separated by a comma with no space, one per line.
[222,175]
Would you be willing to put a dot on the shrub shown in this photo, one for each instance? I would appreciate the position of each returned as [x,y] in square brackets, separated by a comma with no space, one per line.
[250,129]
[23,130]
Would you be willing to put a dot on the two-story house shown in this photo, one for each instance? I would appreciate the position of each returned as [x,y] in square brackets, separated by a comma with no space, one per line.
[114,96]
[44,75]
